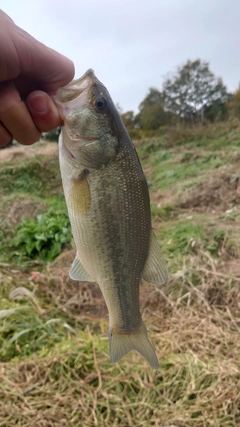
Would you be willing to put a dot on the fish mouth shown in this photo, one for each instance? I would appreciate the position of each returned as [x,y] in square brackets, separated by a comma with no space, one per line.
[74,96]
[75,88]
[71,101]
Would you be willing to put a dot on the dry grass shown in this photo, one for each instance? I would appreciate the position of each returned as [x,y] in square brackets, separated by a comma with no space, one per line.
[43,148]
[211,133]
[197,384]
[195,331]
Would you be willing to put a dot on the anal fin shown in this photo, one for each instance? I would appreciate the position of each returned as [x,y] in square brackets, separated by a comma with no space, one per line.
[155,270]
[78,271]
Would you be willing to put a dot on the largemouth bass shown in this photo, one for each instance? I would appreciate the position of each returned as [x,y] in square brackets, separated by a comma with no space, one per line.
[108,204]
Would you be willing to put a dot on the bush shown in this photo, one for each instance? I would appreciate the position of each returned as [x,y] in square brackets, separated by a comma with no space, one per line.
[43,237]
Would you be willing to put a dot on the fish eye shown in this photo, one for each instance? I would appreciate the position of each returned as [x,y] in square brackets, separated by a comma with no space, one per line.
[100,103]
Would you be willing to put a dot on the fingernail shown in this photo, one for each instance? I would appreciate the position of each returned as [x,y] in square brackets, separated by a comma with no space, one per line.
[39,104]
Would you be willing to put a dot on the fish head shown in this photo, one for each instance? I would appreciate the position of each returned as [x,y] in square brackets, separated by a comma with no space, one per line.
[89,115]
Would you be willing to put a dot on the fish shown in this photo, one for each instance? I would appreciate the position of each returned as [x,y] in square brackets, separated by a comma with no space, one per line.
[108,204]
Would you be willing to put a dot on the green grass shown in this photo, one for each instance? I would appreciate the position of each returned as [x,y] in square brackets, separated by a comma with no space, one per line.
[165,176]
[179,239]
[173,166]
[36,176]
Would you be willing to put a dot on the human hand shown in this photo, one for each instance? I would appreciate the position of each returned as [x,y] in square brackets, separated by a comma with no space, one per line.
[30,73]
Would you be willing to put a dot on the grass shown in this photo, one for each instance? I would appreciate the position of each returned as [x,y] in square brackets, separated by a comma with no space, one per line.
[166,177]
[170,167]
[70,381]
[35,176]
[54,357]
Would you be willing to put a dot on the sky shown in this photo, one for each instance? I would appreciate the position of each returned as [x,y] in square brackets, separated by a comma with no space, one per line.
[132,45]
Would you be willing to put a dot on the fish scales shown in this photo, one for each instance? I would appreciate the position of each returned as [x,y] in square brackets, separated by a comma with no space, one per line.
[118,223]
[109,209]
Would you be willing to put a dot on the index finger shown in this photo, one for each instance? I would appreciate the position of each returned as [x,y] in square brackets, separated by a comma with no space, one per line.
[15,116]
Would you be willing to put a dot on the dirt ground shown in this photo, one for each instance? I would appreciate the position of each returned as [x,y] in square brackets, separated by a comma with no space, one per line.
[18,152]
[220,193]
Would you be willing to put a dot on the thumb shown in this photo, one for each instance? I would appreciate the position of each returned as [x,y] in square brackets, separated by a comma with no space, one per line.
[51,69]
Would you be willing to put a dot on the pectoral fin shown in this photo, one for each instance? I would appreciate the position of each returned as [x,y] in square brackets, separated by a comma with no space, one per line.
[78,272]
[80,194]
[155,270]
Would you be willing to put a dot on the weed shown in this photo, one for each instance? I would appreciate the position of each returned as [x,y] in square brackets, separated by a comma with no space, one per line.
[180,239]
[217,241]
[44,237]
[27,328]
[163,212]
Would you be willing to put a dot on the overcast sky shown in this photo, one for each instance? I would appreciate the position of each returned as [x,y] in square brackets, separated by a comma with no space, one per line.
[133,44]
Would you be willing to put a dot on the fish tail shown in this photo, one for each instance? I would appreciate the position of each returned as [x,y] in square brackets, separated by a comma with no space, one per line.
[121,344]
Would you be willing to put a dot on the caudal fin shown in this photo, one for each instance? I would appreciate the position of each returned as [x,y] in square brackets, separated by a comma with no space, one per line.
[121,344]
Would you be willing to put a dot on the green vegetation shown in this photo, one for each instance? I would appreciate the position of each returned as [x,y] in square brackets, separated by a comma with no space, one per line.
[43,237]
[54,356]
[166,176]
[34,176]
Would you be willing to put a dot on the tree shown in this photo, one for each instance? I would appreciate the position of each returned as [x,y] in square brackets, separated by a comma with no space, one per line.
[217,111]
[234,104]
[128,119]
[152,113]
[193,89]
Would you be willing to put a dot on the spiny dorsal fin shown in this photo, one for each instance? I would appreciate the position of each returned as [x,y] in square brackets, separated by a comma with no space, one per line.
[78,272]
[155,270]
